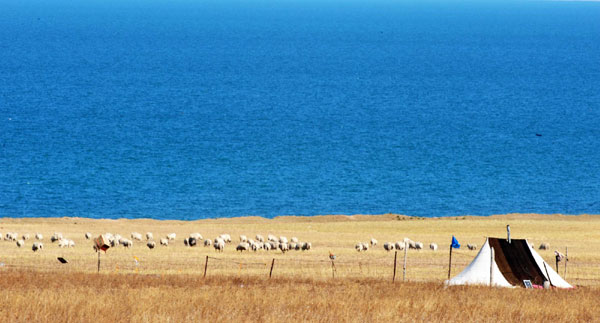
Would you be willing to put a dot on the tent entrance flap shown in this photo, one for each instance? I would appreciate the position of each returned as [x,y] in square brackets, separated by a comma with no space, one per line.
[516,262]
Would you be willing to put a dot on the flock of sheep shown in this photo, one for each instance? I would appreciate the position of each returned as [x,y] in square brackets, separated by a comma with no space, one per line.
[38,245]
[219,243]
[398,245]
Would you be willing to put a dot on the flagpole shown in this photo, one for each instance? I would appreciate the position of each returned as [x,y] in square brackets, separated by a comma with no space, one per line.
[450,262]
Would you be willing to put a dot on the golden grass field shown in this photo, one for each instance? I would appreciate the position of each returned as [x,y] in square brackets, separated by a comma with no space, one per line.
[167,284]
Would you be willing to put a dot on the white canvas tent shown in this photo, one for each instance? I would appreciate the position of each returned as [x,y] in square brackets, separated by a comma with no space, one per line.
[512,263]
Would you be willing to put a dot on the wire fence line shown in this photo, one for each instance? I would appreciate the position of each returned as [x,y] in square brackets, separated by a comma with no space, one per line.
[278,265]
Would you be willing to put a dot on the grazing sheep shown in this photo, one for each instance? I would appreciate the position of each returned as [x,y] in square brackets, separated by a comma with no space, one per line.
[255,246]
[56,237]
[25,236]
[192,241]
[171,236]
[225,237]
[219,245]
[274,245]
[294,239]
[297,246]
[433,246]
[412,244]
[62,243]
[243,246]
[471,246]
[373,242]
[292,245]
[39,236]
[151,244]
[306,246]
[418,245]
[359,247]
[365,246]
[388,246]
[136,236]
[88,235]
[283,246]
[70,243]
[20,243]
[544,246]
[37,246]
[260,238]
[267,246]
[399,245]
[115,241]
[283,239]
[207,243]
[196,236]
[164,242]
[149,236]
[126,243]
[243,238]
[271,237]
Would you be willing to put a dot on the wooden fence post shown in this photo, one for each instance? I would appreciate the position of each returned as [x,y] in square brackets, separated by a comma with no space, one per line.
[332,269]
[491,266]
[566,260]
[395,256]
[205,266]
[271,271]
[98,261]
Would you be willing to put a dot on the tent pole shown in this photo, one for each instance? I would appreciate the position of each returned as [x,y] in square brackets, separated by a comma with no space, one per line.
[566,260]
[546,268]
[404,266]
[491,266]
[450,262]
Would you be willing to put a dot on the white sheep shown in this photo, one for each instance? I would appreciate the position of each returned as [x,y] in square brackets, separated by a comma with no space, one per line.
[260,238]
[126,243]
[219,245]
[271,237]
[171,236]
[418,245]
[39,236]
[358,247]
[88,235]
[283,239]
[151,244]
[207,243]
[292,245]
[20,243]
[294,239]
[373,242]
[149,236]
[62,243]
[243,246]
[70,243]
[544,246]
[433,246]
[25,236]
[136,236]
[37,246]
[399,245]
[388,246]
[267,246]
[243,238]
[196,236]
[298,246]
[306,246]
[164,242]
[225,237]
[412,244]
[283,246]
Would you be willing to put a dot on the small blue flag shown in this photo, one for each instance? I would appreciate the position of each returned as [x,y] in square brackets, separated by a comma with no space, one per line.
[455,243]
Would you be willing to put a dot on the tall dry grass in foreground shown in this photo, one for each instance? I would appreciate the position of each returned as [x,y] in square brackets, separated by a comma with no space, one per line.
[30,296]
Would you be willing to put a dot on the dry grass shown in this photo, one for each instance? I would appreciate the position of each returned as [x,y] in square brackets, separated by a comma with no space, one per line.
[167,285]
[83,297]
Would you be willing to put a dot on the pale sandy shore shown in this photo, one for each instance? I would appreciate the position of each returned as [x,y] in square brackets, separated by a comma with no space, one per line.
[334,234]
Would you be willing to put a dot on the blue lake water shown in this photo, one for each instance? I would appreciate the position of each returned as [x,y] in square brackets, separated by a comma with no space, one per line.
[199,109]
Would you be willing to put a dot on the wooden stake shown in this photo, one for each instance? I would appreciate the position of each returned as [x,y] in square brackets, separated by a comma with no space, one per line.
[271,271]
[404,266]
[395,256]
[98,261]
[332,269]
[205,266]
[450,262]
